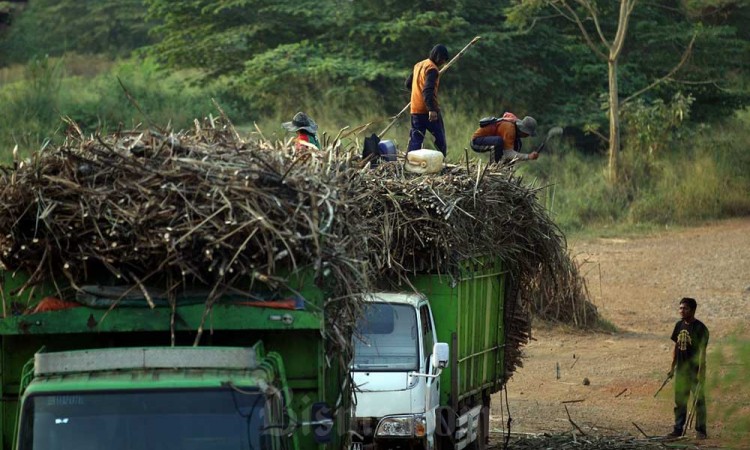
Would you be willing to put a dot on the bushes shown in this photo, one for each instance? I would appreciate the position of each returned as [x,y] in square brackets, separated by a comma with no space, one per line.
[32,107]
[704,174]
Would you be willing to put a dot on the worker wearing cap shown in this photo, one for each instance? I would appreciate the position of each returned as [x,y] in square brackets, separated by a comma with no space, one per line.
[307,132]
[503,136]
[425,110]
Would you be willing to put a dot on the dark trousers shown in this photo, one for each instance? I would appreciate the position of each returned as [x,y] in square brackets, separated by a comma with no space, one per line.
[420,124]
[487,143]
[685,382]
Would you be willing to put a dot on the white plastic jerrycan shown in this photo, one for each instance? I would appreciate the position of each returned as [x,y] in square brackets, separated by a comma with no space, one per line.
[424,161]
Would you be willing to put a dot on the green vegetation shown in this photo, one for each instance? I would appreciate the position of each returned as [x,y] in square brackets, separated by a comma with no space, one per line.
[50,89]
[728,388]
[675,175]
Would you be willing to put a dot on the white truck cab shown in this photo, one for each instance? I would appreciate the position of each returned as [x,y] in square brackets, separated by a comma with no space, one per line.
[396,373]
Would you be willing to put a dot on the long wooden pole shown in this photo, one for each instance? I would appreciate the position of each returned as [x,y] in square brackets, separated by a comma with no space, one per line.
[443,69]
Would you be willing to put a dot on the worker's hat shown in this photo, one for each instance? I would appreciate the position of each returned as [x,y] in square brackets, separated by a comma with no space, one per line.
[301,121]
[527,125]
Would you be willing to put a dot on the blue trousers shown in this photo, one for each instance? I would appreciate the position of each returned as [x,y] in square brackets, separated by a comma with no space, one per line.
[420,124]
[487,143]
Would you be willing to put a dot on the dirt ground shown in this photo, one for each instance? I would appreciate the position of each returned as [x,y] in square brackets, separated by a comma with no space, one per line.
[636,282]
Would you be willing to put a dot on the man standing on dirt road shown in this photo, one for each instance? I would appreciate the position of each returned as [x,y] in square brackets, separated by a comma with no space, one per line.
[690,336]
[425,110]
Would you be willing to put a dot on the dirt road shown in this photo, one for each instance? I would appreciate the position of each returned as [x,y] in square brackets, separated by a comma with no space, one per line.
[636,284]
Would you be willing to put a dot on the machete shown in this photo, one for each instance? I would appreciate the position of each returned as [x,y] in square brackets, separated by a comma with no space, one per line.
[669,377]
[554,131]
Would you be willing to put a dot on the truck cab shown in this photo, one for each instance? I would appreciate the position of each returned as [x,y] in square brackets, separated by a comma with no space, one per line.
[427,361]
[396,371]
[144,398]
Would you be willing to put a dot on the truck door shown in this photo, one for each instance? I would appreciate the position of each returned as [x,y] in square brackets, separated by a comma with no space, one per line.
[428,342]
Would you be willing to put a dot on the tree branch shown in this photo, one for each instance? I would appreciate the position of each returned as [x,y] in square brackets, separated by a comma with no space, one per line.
[683,60]
[714,82]
[585,33]
[626,7]
[597,133]
[586,4]
[562,13]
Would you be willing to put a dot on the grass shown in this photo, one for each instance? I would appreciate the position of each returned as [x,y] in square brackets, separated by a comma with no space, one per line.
[728,381]
[33,104]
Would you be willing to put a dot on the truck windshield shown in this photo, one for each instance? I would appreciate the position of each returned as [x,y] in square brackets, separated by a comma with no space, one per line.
[145,420]
[387,339]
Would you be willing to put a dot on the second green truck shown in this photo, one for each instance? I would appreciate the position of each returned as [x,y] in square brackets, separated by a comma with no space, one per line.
[92,377]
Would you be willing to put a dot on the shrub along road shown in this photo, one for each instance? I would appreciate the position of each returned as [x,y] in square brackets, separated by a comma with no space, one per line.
[637,283]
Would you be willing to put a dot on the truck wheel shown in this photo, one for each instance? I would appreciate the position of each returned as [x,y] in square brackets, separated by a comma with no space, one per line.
[443,443]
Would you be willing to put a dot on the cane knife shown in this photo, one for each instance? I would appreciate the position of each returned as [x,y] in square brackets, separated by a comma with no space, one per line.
[669,377]
[555,131]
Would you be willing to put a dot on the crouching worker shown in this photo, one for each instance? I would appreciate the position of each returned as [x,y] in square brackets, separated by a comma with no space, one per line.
[503,137]
[307,132]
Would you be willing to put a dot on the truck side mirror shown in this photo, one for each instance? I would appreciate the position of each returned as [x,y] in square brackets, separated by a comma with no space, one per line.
[440,355]
[322,422]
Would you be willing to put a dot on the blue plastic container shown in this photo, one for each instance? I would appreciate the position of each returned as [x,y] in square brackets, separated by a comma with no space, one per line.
[387,150]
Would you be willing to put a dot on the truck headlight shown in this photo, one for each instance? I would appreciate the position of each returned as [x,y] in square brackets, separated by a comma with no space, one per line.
[401,426]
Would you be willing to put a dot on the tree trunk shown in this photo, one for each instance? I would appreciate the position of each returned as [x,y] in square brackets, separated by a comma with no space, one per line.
[614,121]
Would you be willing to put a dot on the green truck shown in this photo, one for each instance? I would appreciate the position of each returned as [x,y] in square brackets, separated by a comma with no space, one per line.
[95,376]
[426,363]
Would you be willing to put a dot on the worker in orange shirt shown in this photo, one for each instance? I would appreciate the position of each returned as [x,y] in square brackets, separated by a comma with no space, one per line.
[503,137]
[425,110]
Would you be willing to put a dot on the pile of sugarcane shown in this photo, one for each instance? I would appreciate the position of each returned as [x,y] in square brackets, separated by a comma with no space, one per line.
[205,205]
[564,441]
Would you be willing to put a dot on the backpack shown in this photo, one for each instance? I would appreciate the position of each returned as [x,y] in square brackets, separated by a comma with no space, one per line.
[491,120]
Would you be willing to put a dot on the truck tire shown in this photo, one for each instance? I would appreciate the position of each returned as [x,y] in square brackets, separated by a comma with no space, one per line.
[443,443]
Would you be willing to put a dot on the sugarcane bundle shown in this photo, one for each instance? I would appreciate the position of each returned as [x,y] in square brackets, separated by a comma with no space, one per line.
[206,205]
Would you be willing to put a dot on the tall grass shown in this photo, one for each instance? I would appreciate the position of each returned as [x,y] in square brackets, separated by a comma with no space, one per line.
[32,105]
[729,398]
[705,174]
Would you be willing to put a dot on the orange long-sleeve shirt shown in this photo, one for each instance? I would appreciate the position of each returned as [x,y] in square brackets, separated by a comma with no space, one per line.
[504,129]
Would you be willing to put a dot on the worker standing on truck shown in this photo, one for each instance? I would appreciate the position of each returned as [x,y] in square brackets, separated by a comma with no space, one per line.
[307,132]
[503,136]
[690,336]
[425,110]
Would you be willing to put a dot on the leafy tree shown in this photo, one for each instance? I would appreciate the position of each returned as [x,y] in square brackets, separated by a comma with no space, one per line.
[282,52]
[52,27]
[659,48]
[279,54]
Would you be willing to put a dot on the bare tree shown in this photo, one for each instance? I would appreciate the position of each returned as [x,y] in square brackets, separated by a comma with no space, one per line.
[607,50]
[585,15]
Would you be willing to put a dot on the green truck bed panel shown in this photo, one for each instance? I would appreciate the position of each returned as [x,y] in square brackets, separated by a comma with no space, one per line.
[469,317]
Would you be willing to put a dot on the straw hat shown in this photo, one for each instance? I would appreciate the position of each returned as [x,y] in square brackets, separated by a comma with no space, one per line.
[527,125]
[301,121]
